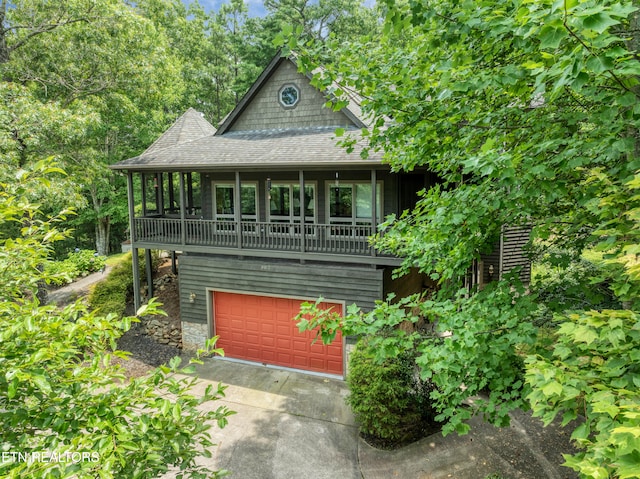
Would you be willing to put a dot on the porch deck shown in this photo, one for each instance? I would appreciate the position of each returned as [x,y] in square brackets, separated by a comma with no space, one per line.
[325,239]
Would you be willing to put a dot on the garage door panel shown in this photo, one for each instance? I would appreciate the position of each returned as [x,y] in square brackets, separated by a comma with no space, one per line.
[269,356]
[260,328]
[268,327]
[283,329]
[252,338]
[318,347]
[298,345]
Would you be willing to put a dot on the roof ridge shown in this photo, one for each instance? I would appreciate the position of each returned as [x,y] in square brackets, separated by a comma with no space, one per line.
[178,133]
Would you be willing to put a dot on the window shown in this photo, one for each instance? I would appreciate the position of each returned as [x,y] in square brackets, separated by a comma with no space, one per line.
[224,199]
[350,203]
[284,203]
[288,96]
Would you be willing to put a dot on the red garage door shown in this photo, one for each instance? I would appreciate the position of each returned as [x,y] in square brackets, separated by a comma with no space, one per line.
[261,329]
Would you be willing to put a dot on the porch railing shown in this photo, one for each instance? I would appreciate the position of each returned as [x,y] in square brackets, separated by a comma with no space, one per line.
[317,238]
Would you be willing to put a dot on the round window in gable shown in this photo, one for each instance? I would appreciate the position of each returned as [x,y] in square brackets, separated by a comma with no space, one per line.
[289,95]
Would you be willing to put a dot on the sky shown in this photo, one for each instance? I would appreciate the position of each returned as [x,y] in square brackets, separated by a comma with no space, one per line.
[256,7]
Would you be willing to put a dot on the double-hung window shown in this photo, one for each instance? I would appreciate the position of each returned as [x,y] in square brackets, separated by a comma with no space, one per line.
[224,201]
[350,203]
[284,202]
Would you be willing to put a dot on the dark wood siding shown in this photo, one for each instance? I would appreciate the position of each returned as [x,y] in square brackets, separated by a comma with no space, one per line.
[265,112]
[352,284]
[491,260]
[514,239]
[508,253]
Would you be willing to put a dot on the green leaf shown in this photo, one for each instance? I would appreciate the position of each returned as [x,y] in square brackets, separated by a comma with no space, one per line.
[177,412]
[553,388]
[12,388]
[42,383]
[550,36]
[599,22]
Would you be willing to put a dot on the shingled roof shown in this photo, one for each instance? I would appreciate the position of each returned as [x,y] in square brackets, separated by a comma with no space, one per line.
[307,148]
[190,126]
[192,144]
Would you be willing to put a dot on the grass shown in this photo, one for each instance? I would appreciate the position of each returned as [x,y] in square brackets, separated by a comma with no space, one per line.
[115,259]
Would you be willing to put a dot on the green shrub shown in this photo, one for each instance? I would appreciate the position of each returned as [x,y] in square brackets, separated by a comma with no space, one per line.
[60,272]
[78,263]
[86,261]
[388,399]
[111,294]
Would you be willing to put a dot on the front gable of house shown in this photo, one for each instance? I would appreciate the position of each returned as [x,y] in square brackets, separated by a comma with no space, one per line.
[283,98]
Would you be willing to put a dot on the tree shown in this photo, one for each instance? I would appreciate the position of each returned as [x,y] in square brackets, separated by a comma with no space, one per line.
[67,410]
[529,113]
[344,18]
[100,66]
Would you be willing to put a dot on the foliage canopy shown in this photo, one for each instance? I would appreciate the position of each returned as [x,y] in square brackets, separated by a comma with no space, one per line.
[529,112]
[66,408]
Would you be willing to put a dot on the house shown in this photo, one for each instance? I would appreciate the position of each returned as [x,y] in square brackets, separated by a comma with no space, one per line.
[268,211]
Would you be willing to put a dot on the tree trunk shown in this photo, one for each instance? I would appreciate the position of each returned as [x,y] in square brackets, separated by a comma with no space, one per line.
[4,49]
[103,225]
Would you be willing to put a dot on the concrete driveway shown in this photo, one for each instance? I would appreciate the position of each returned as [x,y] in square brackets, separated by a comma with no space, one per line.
[288,425]
[291,425]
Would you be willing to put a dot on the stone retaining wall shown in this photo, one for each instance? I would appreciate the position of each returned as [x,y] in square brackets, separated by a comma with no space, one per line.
[164,330]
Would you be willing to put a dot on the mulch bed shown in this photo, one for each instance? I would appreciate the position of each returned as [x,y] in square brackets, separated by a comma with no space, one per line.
[427,428]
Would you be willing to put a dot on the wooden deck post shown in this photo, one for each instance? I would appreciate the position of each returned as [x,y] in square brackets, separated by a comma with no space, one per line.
[160,193]
[237,210]
[183,212]
[302,212]
[137,302]
[374,206]
[174,266]
[147,258]
[132,237]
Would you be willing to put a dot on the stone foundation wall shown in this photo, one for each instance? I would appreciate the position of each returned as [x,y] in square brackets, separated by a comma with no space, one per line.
[194,335]
[165,329]
[164,332]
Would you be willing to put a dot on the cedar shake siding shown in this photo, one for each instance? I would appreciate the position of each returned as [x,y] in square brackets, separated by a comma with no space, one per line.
[351,284]
[263,113]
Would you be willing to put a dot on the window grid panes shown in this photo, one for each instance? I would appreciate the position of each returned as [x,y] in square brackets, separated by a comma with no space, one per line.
[350,203]
[284,203]
[224,199]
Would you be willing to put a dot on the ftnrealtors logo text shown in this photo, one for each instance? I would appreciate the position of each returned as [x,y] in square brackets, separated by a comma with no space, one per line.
[49,457]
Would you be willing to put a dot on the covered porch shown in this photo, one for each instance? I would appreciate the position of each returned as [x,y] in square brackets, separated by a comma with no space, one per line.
[293,213]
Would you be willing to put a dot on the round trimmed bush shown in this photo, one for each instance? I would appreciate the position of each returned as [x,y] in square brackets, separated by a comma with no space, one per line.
[389,400]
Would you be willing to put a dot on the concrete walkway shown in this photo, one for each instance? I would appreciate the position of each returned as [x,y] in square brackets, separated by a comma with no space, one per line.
[75,290]
[291,425]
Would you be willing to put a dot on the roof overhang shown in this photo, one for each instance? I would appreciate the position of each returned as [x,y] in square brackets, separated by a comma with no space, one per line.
[314,148]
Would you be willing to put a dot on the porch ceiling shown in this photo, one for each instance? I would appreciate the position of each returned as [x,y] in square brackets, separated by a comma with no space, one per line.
[290,149]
